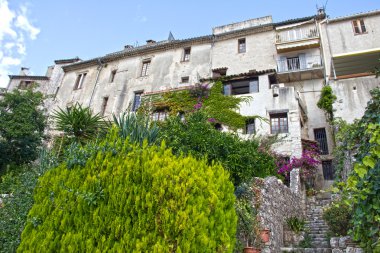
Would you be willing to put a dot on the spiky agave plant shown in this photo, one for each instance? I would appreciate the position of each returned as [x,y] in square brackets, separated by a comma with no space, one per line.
[136,127]
[79,123]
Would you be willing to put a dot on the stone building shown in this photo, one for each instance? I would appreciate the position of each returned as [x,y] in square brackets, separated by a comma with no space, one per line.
[281,65]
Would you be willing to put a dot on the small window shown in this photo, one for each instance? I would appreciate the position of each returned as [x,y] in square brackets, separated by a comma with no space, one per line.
[186,54]
[359,26]
[104,106]
[136,101]
[242,87]
[25,84]
[185,79]
[160,115]
[321,138]
[56,92]
[145,68]
[279,123]
[112,76]
[328,170]
[250,126]
[219,72]
[241,45]
[80,80]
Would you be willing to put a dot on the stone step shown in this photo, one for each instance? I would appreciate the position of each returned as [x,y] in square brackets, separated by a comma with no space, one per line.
[306,250]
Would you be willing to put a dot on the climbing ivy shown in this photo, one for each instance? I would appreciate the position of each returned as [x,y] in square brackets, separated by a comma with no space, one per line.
[206,97]
[326,101]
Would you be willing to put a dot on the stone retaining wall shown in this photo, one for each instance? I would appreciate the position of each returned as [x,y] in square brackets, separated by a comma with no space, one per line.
[278,202]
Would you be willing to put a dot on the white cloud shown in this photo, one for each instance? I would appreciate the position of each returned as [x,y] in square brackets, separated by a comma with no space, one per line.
[15,31]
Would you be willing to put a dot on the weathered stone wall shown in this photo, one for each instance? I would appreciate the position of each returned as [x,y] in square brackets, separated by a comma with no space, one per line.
[278,202]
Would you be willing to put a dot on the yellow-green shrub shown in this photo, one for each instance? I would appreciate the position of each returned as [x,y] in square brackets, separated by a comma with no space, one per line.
[128,198]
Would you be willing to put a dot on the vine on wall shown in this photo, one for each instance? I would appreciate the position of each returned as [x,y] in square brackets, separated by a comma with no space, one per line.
[326,101]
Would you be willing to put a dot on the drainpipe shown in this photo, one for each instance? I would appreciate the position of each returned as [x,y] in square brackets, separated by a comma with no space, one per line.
[329,45]
[100,67]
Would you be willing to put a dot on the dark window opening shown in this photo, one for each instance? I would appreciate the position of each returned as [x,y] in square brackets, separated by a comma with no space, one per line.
[328,170]
[242,87]
[359,26]
[272,80]
[104,106]
[241,45]
[185,79]
[186,54]
[112,77]
[145,68]
[219,72]
[160,114]
[79,82]
[250,126]
[25,84]
[279,123]
[136,101]
[321,137]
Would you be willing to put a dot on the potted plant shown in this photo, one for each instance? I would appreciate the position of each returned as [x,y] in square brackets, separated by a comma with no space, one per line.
[265,235]
[248,230]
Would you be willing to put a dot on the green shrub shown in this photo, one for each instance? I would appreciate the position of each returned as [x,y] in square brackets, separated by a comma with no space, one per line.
[130,197]
[244,159]
[295,224]
[337,217]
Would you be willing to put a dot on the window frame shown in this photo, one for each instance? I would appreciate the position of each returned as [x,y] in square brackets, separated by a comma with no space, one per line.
[359,24]
[145,67]
[80,80]
[328,176]
[280,129]
[160,114]
[186,54]
[185,79]
[104,105]
[113,75]
[242,41]
[323,147]
[136,106]
[250,122]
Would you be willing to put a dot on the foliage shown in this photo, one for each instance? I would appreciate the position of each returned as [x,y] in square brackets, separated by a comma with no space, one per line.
[308,163]
[248,228]
[20,185]
[78,123]
[22,124]
[337,217]
[129,196]
[136,127]
[362,139]
[198,137]
[306,242]
[295,224]
[223,109]
[326,101]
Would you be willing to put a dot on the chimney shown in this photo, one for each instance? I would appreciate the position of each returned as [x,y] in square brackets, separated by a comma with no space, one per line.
[24,71]
[149,42]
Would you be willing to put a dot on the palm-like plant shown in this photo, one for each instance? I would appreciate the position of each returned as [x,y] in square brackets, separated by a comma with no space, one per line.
[79,123]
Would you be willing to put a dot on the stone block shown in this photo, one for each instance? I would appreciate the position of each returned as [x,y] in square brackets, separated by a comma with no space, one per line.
[334,242]
[343,241]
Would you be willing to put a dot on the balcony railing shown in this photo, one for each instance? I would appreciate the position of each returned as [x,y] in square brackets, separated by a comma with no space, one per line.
[301,62]
[297,34]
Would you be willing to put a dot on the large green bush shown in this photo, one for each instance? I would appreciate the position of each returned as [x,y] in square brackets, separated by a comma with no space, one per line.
[337,217]
[128,197]
[244,159]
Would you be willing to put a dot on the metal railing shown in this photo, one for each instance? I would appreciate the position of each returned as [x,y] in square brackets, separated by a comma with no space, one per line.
[301,62]
[297,34]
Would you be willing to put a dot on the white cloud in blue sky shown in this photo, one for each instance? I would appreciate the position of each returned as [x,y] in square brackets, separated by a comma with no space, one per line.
[15,30]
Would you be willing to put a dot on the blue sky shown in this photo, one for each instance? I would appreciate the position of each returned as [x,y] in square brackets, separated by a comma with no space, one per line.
[35,33]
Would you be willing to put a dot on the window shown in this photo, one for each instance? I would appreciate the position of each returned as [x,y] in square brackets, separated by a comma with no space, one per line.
[160,115]
[321,138]
[328,170]
[186,54]
[136,101]
[79,82]
[104,106]
[145,68]
[113,74]
[359,26]
[25,84]
[250,126]
[242,87]
[279,123]
[241,45]
[185,79]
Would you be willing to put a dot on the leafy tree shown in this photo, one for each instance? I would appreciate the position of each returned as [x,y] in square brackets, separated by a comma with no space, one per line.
[326,101]
[22,124]
[127,196]
[79,123]
[197,136]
